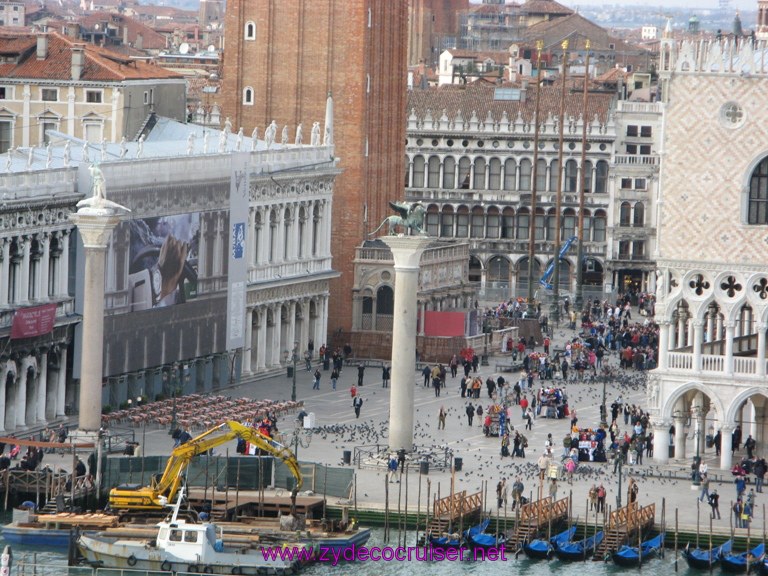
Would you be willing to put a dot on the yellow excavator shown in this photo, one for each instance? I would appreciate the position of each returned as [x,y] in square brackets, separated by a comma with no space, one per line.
[160,492]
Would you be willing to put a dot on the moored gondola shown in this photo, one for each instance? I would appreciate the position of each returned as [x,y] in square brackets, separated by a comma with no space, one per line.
[579,550]
[628,556]
[454,541]
[743,562]
[542,549]
[485,541]
[704,559]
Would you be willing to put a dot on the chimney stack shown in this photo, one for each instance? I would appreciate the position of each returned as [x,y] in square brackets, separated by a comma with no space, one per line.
[78,60]
[42,46]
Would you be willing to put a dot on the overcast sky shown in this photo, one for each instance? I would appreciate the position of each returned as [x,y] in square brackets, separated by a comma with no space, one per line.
[694,5]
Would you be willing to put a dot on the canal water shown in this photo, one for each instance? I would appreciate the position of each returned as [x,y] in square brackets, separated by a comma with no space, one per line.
[29,561]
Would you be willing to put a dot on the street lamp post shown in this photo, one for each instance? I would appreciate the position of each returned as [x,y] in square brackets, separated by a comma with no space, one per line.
[295,358]
[696,459]
[172,379]
[618,495]
[603,408]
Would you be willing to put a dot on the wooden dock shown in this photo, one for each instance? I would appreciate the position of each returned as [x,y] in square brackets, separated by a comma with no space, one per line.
[249,503]
[449,512]
[624,525]
[534,517]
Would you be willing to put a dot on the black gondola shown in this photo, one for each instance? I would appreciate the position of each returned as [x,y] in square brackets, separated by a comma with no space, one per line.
[704,559]
[577,551]
[629,556]
[737,563]
[540,549]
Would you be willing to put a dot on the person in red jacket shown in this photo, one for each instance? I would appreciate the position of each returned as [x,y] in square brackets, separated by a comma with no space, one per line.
[524,404]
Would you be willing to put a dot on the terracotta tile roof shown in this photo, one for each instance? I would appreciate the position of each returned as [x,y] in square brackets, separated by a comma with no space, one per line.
[612,76]
[545,7]
[478,97]
[150,39]
[553,32]
[100,65]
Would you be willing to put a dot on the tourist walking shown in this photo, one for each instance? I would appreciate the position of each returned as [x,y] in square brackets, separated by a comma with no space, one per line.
[441,418]
[470,413]
[714,503]
[501,492]
[601,499]
[317,380]
[704,488]
[392,468]
[385,372]
[360,374]
[334,377]
[427,373]
[357,404]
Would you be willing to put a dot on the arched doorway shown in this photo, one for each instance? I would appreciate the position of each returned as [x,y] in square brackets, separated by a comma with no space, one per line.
[497,279]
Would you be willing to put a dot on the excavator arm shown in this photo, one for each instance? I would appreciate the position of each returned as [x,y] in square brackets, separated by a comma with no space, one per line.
[158,493]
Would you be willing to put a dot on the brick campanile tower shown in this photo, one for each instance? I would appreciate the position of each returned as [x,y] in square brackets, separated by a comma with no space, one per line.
[292,54]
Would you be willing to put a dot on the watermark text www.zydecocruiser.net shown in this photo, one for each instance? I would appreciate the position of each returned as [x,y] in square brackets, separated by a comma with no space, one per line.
[378,554]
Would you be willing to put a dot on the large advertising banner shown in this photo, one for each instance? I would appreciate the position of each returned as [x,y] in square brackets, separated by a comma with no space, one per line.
[163,261]
[237,279]
[35,321]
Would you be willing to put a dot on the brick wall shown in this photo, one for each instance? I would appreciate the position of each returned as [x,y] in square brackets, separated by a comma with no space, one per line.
[303,50]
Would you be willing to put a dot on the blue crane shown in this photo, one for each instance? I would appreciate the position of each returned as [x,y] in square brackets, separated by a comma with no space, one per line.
[544,281]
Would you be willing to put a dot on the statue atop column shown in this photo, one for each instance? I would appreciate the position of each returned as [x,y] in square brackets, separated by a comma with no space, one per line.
[98,198]
[409,218]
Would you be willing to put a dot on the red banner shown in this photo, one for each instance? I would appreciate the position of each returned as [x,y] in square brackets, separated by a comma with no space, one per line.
[29,322]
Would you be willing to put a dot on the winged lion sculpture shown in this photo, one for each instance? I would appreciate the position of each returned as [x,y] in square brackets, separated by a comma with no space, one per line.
[409,219]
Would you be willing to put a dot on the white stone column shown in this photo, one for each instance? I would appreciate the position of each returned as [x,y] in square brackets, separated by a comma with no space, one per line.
[42,386]
[761,327]
[251,237]
[291,335]
[680,331]
[45,262]
[663,344]
[679,438]
[21,395]
[64,259]
[661,441]
[95,226]
[247,352]
[61,384]
[698,336]
[710,327]
[406,251]
[276,352]
[701,438]
[726,457]
[23,295]
[729,335]
[5,271]
[261,340]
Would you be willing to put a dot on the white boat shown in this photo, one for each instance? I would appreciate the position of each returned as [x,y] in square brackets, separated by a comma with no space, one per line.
[182,546]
